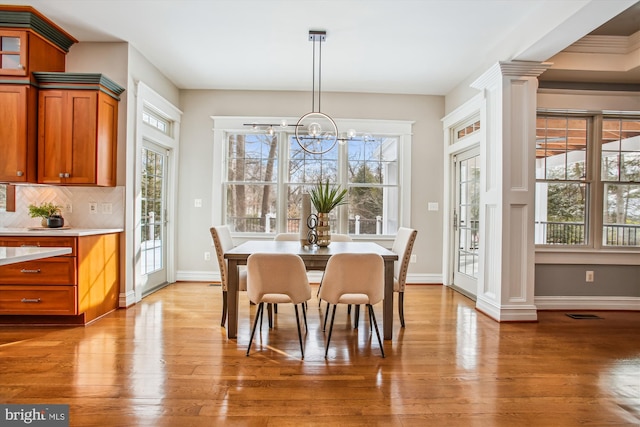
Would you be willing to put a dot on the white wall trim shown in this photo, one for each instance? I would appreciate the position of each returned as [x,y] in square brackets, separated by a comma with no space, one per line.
[127,299]
[587,303]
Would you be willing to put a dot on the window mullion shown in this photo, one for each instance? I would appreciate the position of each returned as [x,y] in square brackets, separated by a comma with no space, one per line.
[594,178]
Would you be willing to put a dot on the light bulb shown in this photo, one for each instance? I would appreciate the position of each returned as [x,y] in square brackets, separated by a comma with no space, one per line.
[315,129]
[351,133]
[283,123]
[270,130]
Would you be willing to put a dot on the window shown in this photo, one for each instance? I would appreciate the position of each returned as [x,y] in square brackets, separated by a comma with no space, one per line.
[620,171]
[579,205]
[156,121]
[266,175]
[562,187]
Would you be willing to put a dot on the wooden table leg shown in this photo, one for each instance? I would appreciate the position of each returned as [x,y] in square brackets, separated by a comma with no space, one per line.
[232,298]
[387,306]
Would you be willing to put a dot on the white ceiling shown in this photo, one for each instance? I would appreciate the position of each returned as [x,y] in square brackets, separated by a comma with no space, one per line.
[383,46]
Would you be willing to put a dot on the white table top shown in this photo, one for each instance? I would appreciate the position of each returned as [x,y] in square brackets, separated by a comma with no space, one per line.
[11,255]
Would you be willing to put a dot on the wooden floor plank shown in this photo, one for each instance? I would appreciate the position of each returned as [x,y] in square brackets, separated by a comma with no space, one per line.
[167,362]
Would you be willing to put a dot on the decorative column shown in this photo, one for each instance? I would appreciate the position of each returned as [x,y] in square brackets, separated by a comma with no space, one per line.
[507,190]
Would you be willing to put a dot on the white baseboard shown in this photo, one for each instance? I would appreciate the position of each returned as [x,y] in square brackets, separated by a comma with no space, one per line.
[587,303]
[197,276]
[127,299]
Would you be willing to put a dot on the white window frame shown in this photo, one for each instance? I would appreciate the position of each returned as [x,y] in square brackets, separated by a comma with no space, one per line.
[224,125]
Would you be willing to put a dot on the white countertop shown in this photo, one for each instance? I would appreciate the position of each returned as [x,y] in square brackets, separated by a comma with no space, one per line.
[74,232]
[10,255]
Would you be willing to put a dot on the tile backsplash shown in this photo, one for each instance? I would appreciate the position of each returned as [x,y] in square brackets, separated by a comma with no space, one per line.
[79,199]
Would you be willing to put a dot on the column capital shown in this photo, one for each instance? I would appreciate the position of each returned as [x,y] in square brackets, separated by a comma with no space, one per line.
[511,69]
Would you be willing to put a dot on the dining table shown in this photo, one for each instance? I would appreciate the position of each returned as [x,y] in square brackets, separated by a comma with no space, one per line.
[315,258]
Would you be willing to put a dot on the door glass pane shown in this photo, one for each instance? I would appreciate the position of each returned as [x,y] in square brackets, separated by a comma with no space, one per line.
[10,44]
[11,62]
[152,211]
[468,216]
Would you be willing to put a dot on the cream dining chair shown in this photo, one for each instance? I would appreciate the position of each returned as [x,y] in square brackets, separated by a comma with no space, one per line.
[402,246]
[277,279]
[351,278]
[223,242]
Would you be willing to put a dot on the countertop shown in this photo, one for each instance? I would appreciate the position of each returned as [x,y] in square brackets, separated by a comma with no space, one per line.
[9,255]
[73,232]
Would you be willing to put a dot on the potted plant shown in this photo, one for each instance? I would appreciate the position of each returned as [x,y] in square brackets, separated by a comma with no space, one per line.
[49,212]
[325,198]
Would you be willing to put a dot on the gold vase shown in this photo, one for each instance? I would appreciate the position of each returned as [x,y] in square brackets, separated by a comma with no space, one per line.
[323,229]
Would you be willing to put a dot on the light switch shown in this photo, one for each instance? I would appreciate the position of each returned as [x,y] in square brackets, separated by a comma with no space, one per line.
[197,203]
[93,208]
[433,206]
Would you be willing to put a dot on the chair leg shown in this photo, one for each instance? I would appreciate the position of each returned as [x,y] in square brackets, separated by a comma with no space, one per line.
[357,317]
[295,306]
[275,308]
[224,308]
[333,316]
[375,323]
[270,315]
[326,316]
[304,314]
[349,309]
[255,323]
[401,307]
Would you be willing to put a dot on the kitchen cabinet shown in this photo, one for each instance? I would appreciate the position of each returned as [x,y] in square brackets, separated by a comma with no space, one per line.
[28,42]
[18,115]
[77,129]
[69,289]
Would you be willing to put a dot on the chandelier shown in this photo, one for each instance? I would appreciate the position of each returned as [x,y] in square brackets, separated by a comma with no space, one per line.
[315,132]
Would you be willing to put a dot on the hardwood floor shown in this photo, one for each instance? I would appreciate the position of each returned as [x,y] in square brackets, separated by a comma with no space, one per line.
[167,362]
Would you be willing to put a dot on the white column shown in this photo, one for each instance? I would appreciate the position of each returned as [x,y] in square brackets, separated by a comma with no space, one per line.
[507,189]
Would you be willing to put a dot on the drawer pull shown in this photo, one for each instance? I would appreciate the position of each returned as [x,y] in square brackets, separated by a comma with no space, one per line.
[24,270]
[27,300]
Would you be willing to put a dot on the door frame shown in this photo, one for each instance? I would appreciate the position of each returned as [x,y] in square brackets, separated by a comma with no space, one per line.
[148,99]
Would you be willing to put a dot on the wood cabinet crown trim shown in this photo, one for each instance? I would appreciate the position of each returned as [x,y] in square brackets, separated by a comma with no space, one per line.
[28,18]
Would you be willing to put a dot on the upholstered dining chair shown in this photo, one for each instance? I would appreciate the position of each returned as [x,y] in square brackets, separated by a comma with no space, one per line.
[351,278]
[402,246]
[223,242]
[277,279]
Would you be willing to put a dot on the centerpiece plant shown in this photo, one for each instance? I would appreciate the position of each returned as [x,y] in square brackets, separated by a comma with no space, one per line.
[44,211]
[325,198]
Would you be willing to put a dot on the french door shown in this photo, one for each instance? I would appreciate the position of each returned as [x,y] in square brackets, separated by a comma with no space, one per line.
[466,222]
[153,221]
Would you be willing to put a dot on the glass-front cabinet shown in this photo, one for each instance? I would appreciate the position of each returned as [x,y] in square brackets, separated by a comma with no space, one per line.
[13,48]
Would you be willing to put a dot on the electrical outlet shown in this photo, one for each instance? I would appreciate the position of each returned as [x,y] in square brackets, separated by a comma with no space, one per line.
[413,259]
[207,256]
[197,203]
[68,208]
[93,208]
[589,276]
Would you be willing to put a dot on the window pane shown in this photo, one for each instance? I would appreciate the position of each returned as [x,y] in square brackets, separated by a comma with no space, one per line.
[560,213]
[621,216]
[251,207]
[252,158]
[373,210]
[620,150]
[561,144]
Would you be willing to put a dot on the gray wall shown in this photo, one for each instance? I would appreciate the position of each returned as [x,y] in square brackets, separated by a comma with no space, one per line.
[196,160]
[609,280]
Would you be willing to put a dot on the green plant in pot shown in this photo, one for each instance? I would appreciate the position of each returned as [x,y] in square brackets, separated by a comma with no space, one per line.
[325,198]
[49,212]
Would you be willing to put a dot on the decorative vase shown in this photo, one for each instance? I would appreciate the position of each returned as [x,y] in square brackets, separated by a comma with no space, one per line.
[55,221]
[323,229]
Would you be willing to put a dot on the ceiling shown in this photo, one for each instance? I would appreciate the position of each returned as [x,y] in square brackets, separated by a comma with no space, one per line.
[379,46]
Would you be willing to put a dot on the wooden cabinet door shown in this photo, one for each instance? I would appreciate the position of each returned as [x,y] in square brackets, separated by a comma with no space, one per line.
[51,141]
[80,120]
[17,133]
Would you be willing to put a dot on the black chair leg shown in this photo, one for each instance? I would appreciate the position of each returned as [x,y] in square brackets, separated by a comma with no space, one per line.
[295,306]
[304,314]
[333,316]
[270,315]
[357,317]
[275,308]
[375,323]
[255,323]
[401,307]
[224,308]
[326,316]
[349,309]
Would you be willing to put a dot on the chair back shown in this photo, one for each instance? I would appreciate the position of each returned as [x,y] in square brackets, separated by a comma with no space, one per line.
[223,242]
[270,273]
[402,246]
[350,273]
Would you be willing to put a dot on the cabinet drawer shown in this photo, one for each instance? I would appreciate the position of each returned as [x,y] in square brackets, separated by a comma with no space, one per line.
[48,271]
[38,300]
[41,241]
